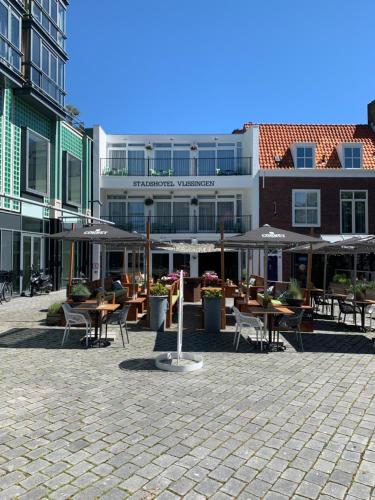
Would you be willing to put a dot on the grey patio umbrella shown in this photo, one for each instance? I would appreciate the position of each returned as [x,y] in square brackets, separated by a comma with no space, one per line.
[102,234]
[355,245]
[99,233]
[269,238]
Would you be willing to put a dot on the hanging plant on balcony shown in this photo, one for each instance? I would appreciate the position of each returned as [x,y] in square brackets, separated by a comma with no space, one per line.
[194,201]
[193,147]
[149,201]
[149,147]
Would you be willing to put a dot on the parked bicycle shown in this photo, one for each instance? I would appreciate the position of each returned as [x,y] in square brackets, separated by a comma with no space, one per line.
[6,286]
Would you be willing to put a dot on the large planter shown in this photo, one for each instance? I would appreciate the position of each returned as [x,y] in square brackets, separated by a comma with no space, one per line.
[370,294]
[158,310]
[212,314]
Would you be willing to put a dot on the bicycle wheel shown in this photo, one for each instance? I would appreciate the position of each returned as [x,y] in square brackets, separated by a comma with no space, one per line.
[7,292]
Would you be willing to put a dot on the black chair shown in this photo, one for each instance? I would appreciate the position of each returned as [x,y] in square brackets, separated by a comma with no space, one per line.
[320,302]
[119,318]
[348,308]
[291,323]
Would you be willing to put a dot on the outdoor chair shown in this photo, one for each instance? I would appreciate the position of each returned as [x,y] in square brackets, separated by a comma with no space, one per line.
[370,311]
[346,308]
[321,302]
[246,321]
[119,318]
[76,319]
[291,323]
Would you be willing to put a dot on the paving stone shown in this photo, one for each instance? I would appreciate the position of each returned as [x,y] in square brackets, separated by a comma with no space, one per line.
[104,423]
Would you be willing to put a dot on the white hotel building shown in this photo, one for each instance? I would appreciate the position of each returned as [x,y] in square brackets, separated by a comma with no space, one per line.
[185,185]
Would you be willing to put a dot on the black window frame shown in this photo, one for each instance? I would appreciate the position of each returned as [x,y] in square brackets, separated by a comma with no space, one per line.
[29,189]
[73,203]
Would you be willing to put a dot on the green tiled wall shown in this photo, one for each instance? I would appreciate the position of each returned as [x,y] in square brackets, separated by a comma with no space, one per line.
[16,114]
[71,142]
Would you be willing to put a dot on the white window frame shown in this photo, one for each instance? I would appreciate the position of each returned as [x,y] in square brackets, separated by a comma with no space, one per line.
[353,211]
[299,224]
[304,145]
[67,201]
[29,189]
[352,145]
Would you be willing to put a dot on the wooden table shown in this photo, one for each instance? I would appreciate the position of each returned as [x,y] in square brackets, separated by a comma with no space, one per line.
[99,309]
[270,311]
[335,296]
[362,304]
[137,306]
[230,291]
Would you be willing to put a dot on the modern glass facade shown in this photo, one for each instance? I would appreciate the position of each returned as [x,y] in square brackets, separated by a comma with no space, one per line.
[43,158]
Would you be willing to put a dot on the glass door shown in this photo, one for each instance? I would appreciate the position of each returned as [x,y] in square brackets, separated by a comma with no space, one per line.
[32,256]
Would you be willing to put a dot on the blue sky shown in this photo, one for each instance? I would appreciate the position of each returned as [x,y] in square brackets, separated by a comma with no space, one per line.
[163,66]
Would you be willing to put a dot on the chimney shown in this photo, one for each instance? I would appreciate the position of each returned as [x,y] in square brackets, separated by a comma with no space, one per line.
[371,114]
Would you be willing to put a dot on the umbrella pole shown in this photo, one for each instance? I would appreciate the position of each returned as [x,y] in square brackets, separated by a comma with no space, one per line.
[71,265]
[148,271]
[325,275]
[355,281]
[124,262]
[103,270]
[222,272]
[247,275]
[308,276]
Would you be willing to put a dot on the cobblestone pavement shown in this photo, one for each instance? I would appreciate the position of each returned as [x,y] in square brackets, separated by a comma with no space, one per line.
[104,423]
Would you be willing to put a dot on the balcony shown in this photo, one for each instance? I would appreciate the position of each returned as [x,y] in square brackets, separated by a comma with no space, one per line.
[177,167]
[182,224]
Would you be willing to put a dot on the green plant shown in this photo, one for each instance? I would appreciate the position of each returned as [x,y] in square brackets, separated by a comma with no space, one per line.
[294,290]
[80,290]
[158,289]
[340,279]
[370,285]
[212,294]
[267,299]
[358,288]
[54,309]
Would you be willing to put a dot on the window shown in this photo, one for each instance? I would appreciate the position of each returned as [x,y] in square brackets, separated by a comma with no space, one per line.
[352,156]
[47,69]
[306,208]
[73,179]
[10,36]
[136,162]
[353,212]
[37,153]
[51,15]
[304,157]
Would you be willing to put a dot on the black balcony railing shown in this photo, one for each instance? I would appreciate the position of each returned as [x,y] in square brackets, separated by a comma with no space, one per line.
[176,167]
[182,224]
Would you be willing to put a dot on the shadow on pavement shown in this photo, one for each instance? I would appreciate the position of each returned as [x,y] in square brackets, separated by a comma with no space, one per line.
[140,364]
[36,338]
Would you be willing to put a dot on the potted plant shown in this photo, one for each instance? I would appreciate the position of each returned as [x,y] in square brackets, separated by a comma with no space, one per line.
[212,310]
[359,290]
[294,296]
[54,314]
[340,283]
[80,292]
[158,306]
[267,300]
[370,290]
[210,278]
[194,201]
[149,201]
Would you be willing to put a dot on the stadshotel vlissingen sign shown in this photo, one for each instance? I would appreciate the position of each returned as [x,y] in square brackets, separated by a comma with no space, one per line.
[173,184]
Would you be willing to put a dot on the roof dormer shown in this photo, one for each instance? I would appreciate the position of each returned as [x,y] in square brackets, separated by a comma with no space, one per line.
[350,154]
[303,154]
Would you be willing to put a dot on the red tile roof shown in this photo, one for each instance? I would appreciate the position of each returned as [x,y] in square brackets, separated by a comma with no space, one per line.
[277,139]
